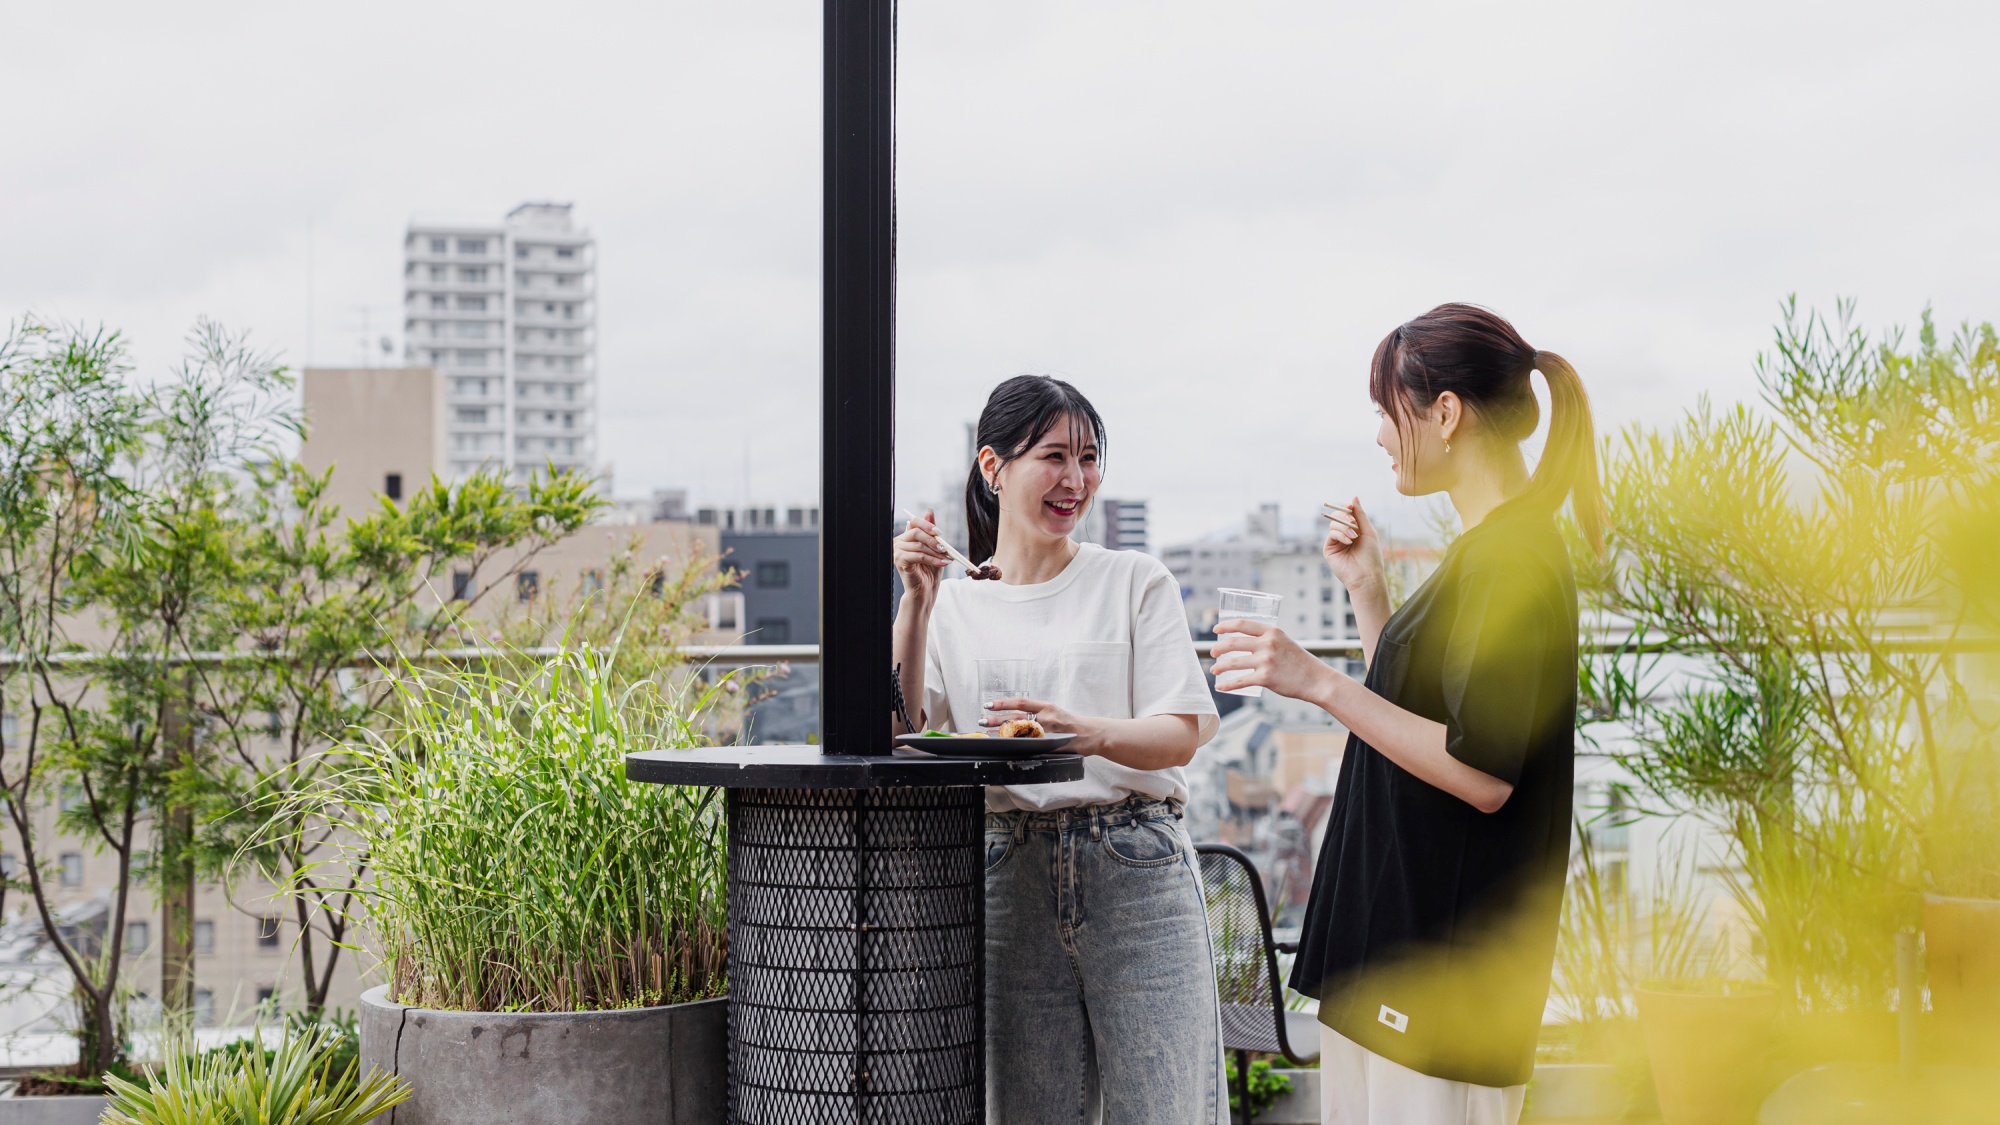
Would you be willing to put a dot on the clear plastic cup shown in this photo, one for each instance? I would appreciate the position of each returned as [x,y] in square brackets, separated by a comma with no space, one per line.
[1005,679]
[1247,605]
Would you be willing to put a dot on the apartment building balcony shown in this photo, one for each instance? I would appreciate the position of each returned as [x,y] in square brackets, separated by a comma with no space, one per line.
[536,316]
[560,349]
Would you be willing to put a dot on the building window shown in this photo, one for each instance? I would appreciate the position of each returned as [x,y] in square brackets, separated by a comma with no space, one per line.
[774,630]
[475,414]
[461,585]
[472,304]
[268,928]
[569,312]
[137,936]
[204,936]
[440,245]
[472,246]
[8,865]
[438,273]
[472,330]
[392,486]
[724,611]
[472,359]
[72,869]
[521,252]
[591,581]
[439,301]
[472,273]
[565,251]
[527,584]
[204,1007]
[267,998]
[773,574]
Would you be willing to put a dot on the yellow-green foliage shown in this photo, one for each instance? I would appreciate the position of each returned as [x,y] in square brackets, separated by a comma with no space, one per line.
[298,1083]
[1819,559]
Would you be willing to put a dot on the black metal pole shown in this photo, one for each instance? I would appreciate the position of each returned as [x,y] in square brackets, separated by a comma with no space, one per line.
[858,375]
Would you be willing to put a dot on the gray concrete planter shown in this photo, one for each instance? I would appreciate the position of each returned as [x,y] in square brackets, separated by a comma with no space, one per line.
[659,1066]
[79,1110]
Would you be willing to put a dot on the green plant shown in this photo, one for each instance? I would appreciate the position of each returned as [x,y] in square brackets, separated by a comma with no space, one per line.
[299,1082]
[1829,717]
[1610,942]
[316,589]
[513,866]
[1267,1085]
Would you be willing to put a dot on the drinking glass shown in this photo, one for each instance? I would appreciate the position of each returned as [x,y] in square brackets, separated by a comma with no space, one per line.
[1005,679]
[1248,605]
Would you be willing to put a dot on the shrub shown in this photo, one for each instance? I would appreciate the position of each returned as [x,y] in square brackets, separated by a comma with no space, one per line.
[513,866]
[300,1082]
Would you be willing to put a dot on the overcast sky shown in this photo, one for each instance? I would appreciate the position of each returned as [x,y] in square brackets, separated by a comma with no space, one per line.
[1205,215]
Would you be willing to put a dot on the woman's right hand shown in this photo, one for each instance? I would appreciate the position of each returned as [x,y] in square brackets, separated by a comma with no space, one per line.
[919,559]
[1352,548]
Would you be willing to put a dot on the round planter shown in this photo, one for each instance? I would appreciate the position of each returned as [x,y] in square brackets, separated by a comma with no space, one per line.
[1710,1052]
[660,1066]
[1962,955]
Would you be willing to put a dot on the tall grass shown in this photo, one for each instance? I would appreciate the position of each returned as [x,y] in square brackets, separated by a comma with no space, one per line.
[512,866]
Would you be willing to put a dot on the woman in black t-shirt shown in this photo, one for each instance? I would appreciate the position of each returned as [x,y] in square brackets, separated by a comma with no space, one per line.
[1431,930]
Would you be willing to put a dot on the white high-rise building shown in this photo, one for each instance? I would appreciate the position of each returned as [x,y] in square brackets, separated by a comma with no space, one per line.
[507,314]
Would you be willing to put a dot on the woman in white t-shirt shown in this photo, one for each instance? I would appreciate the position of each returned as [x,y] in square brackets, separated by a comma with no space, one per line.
[1100,994]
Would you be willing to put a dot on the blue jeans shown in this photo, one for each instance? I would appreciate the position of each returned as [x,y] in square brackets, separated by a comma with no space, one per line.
[1100,990]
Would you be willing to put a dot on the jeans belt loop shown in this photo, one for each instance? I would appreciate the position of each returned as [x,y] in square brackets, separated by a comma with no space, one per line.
[1020,827]
[1096,822]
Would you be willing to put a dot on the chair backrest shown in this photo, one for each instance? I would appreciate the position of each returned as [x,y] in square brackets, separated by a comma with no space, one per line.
[1246,960]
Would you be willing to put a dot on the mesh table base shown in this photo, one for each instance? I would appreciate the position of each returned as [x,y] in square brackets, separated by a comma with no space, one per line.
[856,956]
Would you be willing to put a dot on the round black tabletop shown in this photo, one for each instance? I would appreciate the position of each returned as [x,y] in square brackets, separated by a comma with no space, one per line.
[805,767]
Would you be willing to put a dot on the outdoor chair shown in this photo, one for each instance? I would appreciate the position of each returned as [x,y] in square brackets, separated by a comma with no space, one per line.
[1246,969]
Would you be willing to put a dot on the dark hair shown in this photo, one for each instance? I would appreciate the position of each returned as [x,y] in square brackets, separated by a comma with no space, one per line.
[1475,354]
[1019,413]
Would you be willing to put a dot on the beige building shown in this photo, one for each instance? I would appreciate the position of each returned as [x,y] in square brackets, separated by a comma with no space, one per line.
[383,433]
[381,428]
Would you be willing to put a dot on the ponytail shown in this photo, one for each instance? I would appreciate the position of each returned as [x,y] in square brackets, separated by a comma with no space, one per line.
[1568,466]
[982,516]
[1475,354]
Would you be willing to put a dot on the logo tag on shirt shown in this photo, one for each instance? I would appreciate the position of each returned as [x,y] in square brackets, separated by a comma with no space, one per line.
[1393,1019]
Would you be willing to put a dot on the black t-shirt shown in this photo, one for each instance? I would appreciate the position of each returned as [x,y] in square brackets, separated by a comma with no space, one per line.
[1432,926]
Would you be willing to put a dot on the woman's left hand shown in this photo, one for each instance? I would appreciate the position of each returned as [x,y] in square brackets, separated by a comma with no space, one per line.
[1254,654]
[1054,719]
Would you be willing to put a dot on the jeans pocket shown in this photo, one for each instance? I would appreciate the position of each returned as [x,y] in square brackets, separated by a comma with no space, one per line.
[999,845]
[1143,843]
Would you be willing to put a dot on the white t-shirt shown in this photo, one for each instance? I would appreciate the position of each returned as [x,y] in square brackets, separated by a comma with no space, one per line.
[1108,638]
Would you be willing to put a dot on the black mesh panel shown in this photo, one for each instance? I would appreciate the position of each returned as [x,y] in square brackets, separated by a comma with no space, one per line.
[856,956]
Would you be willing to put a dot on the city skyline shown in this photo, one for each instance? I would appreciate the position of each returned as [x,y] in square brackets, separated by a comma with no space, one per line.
[1192,218]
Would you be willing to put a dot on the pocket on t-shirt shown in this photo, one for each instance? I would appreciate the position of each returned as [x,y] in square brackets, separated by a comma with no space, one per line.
[1391,667]
[1097,679]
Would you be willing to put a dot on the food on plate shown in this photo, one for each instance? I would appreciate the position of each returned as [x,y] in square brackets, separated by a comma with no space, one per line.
[948,734]
[1022,728]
